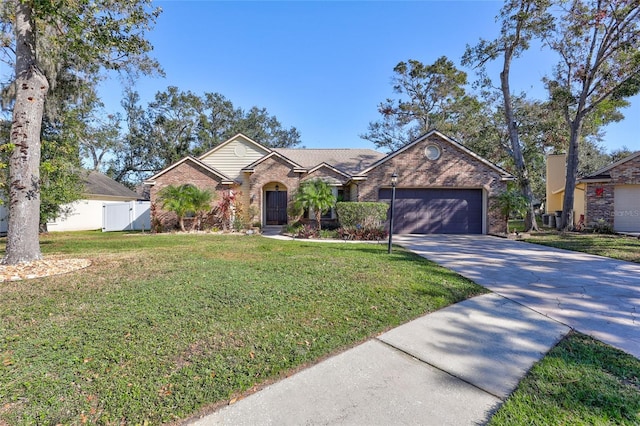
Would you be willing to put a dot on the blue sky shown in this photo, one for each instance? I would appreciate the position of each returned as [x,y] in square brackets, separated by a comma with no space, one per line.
[323,67]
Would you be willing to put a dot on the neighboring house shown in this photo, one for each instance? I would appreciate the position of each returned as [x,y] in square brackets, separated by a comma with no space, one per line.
[442,186]
[86,213]
[613,194]
[555,183]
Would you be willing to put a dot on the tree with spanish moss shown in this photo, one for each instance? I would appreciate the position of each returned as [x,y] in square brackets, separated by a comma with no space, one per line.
[429,96]
[84,36]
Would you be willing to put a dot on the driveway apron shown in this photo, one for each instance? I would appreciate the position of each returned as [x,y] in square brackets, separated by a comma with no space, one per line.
[595,295]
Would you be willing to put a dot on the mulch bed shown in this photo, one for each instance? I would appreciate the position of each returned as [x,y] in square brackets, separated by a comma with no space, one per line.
[41,268]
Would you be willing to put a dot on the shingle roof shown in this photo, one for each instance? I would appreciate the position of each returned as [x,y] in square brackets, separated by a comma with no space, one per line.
[602,173]
[350,161]
[96,183]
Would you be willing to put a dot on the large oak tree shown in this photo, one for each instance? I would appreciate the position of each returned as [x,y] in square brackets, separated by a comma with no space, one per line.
[88,35]
[599,46]
[521,21]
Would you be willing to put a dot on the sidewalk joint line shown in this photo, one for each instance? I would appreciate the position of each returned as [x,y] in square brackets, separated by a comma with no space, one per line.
[421,361]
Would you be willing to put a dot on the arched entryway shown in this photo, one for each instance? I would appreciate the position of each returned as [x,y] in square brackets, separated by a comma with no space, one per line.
[275,204]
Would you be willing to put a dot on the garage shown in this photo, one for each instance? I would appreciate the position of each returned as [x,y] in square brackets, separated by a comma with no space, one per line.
[626,208]
[436,211]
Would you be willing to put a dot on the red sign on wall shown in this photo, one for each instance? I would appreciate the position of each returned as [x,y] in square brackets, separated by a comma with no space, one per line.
[599,192]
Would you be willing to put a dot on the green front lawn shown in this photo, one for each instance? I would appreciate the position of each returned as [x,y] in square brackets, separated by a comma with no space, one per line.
[580,382]
[614,246]
[162,326]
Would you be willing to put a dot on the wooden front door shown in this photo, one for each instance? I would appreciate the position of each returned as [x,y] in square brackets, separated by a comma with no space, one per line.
[276,207]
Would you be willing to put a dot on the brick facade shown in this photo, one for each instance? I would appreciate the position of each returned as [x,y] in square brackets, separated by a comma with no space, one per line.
[455,168]
[185,173]
[599,203]
[327,174]
[272,170]
[600,196]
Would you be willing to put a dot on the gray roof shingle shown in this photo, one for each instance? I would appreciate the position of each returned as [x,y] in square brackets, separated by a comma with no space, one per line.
[349,161]
[96,183]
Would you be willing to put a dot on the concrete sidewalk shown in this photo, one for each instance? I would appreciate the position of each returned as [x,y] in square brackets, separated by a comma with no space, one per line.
[452,367]
[456,366]
[596,295]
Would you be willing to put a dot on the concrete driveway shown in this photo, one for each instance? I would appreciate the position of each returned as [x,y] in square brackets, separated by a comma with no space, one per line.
[595,295]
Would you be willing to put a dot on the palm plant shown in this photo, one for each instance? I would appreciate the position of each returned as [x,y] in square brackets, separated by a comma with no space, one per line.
[511,201]
[314,195]
[184,199]
[200,203]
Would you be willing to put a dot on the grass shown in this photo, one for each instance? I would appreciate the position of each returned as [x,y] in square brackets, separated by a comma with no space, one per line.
[580,382]
[614,246]
[160,327]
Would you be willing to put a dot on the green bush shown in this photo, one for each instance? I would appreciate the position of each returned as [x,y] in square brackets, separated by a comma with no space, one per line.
[601,226]
[361,214]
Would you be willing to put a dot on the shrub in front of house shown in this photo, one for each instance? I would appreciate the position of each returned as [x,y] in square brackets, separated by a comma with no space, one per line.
[361,214]
[363,234]
[362,220]
[601,226]
[307,231]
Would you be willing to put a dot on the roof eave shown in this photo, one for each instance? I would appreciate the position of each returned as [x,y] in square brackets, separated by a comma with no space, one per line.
[595,180]
[444,137]
[616,164]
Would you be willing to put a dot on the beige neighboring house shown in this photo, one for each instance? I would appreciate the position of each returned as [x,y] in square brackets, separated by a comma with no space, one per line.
[443,187]
[611,194]
[555,183]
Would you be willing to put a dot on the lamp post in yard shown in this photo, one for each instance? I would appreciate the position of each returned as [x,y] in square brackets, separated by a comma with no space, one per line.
[394,181]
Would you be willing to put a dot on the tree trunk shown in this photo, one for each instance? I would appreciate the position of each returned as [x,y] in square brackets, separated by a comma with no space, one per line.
[572,174]
[24,164]
[518,158]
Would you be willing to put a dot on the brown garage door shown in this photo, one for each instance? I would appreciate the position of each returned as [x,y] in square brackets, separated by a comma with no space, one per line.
[436,211]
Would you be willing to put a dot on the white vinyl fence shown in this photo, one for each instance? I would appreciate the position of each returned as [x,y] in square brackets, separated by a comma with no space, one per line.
[128,216]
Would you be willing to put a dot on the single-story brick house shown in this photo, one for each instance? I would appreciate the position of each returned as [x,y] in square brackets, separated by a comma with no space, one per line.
[613,194]
[443,187]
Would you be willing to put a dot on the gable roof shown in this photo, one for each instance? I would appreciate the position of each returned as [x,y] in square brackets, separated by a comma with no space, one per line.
[232,139]
[603,174]
[98,184]
[328,166]
[347,161]
[505,175]
[225,180]
[296,167]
